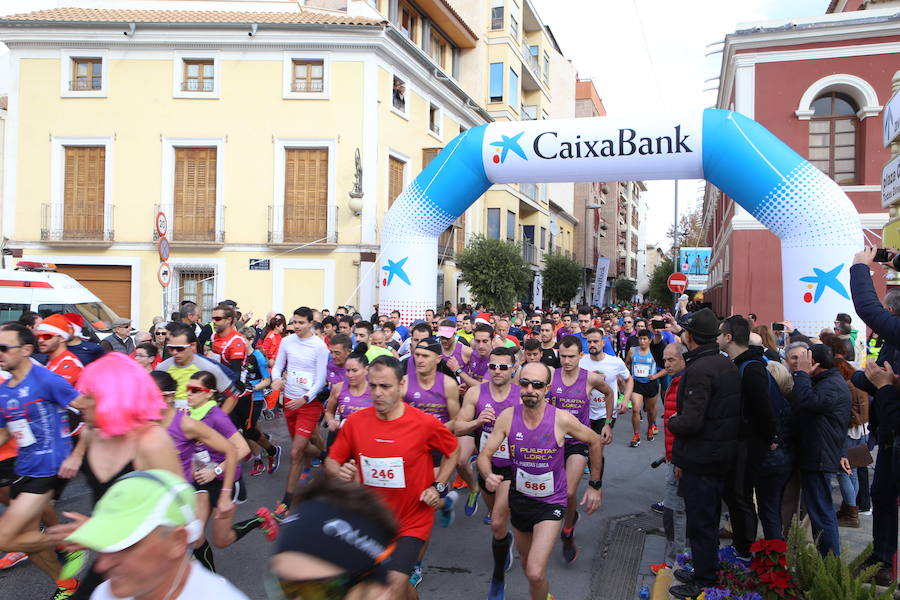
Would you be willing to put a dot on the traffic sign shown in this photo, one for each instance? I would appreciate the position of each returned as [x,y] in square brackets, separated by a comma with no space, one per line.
[890,116]
[163,246]
[677,282]
[164,274]
[162,224]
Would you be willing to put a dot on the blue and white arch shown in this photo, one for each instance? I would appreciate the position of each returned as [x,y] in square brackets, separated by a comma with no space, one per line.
[818,225]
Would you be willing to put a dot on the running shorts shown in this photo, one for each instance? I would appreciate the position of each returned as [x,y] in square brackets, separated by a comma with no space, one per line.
[302,421]
[648,390]
[38,485]
[577,449]
[526,512]
[8,471]
[505,472]
[246,413]
[405,555]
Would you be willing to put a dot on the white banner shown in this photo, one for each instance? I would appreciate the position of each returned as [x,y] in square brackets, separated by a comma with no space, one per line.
[601,273]
[890,182]
[593,149]
[538,296]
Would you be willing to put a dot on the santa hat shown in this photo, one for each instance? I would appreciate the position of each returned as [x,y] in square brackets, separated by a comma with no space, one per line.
[56,325]
[483,318]
[77,322]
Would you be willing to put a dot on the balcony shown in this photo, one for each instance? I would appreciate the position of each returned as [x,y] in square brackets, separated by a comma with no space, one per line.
[84,84]
[77,224]
[200,225]
[301,226]
[529,190]
[528,113]
[530,252]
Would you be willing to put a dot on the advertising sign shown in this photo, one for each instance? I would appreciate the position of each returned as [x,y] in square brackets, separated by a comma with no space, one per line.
[538,296]
[694,262]
[602,272]
[891,119]
[890,182]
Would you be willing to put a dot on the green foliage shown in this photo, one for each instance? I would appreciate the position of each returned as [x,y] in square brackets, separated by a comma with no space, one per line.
[659,289]
[495,272]
[562,278]
[626,289]
[831,578]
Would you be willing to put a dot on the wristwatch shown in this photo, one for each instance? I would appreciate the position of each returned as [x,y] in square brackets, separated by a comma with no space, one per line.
[458,371]
[218,470]
[610,422]
[596,484]
[440,487]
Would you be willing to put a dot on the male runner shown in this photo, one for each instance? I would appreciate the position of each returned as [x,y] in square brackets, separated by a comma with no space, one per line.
[549,355]
[300,369]
[585,323]
[646,387]
[613,370]
[479,411]
[570,389]
[32,411]
[336,374]
[255,377]
[52,334]
[473,372]
[388,447]
[538,494]
[228,346]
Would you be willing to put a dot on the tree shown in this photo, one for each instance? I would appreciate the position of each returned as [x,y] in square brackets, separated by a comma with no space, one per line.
[659,289]
[625,290]
[562,278]
[690,229]
[495,272]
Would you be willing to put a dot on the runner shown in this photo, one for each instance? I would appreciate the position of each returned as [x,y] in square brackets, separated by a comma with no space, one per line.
[32,411]
[646,387]
[538,492]
[571,388]
[86,351]
[613,370]
[275,331]
[549,355]
[476,368]
[388,448]
[228,346]
[352,397]
[300,370]
[52,335]
[255,378]
[479,411]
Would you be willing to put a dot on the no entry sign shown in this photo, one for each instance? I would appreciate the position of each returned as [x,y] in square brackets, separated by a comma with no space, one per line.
[677,282]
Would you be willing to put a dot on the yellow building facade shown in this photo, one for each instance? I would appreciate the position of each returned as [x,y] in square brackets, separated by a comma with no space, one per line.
[272,137]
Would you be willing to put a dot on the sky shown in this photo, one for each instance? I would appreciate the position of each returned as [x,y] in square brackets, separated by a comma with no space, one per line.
[645,56]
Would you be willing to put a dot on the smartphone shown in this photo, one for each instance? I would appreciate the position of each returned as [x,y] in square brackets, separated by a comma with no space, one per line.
[658,324]
[777,326]
[882,256]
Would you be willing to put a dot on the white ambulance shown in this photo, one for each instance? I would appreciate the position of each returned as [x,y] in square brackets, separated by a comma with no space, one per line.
[37,287]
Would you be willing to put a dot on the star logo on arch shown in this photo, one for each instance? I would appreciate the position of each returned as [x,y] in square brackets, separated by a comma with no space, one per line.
[395,268]
[507,145]
[826,279]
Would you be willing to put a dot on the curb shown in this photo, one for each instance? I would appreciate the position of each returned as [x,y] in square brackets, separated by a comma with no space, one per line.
[661,587]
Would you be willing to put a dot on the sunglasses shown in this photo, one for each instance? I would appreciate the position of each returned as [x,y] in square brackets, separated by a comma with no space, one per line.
[326,588]
[4,348]
[160,333]
[499,367]
[535,383]
[217,319]
[178,348]
[196,389]
[142,356]
[45,336]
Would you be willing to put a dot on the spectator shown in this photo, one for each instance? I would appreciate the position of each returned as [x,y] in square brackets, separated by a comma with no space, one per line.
[674,519]
[857,341]
[705,429]
[821,404]
[120,340]
[767,341]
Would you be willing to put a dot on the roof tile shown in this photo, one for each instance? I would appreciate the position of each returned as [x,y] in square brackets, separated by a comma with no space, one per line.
[89,15]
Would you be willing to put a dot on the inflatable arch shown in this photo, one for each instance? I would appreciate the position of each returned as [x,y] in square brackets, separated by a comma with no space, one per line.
[817,223]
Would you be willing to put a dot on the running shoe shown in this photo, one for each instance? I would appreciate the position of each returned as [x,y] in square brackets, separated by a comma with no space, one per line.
[657,507]
[487,519]
[510,558]
[635,440]
[316,463]
[472,503]
[281,511]
[72,564]
[275,460]
[66,588]
[269,523]
[651,432]
[239,495]
[305,475]
[587,469]
[258,468]
[12,559]
[655,569]
[446,514]
[497,590]
[570,551]
[416,578]
[458,483]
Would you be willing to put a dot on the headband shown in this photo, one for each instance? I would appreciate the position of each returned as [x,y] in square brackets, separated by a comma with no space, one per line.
[430,344]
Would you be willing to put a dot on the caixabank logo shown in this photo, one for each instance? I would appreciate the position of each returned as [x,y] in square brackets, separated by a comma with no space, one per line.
[505,146]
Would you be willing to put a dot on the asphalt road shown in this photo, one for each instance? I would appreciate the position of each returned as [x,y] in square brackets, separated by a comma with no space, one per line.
[458,563]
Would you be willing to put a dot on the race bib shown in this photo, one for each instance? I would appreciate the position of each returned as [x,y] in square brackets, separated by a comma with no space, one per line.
[598,405]
[641,370]
[383,472]
[202,457]
[21,431]
[502,451]
[536,486]
[300,378]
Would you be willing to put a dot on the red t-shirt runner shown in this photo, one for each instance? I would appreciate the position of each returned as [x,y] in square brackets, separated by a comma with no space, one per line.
[270,344]
[229,347]
[67,366]
[394,461]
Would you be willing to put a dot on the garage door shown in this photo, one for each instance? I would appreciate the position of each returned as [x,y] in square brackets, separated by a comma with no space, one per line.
[110,283]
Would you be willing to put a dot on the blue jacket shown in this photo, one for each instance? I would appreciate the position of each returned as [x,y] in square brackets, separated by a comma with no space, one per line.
[821,406]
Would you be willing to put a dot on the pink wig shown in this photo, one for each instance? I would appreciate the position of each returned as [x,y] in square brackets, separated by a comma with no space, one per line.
[126,396]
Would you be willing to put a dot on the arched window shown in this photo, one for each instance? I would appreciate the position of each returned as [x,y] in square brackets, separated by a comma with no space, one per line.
[833,136]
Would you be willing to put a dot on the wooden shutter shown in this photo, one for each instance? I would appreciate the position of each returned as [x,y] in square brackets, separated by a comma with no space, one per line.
[84,191]
[305,194]
[395,179]
[195,194]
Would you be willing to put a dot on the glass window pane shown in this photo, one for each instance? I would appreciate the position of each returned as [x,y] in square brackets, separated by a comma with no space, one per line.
[822,106]
[208,71]
[844,125]
[845,152]
[193,70]
[81,69]
[513,88]
[510,225]
[844,166]
[818,154]
[821,165]
[493,228]
[96,69]
[842,106]
[844,139]
[819,126]
[300,72]
[318,71]
[496,82]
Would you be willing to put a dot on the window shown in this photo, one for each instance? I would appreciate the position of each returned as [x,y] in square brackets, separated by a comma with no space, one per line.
[396,171]
[12,312]
[197,286]
[546,67]
[439,50]
[84,192]
[87,74]
[428,155]
[434,119]
[832,137]
[199,76]
[496,14]
[543,237]
[496,82]
[195,194]
[305,194]
[513,25]
[493,223]
[510,225]
[409,22]
[513,89]
[308,75]
[399,94]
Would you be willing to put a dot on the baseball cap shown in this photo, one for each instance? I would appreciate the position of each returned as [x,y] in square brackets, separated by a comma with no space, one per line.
[134,506]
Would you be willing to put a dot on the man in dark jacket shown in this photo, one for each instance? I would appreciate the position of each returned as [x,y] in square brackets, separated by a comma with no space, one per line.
[820,402]
[757,429]
[706,429]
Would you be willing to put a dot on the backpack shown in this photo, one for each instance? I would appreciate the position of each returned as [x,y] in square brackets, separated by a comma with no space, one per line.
[781,409]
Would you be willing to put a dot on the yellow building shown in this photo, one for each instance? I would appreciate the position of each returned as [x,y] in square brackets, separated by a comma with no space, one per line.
[272,136]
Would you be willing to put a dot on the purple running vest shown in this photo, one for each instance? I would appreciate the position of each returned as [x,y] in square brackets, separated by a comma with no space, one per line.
[183,445]
[537,459]
[433,401]
[484,400]
[349,404]
[457,354]
[335,374]
[478,365]
[573,398]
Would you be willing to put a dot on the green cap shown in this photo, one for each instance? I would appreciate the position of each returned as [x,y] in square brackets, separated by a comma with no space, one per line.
[134,506]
